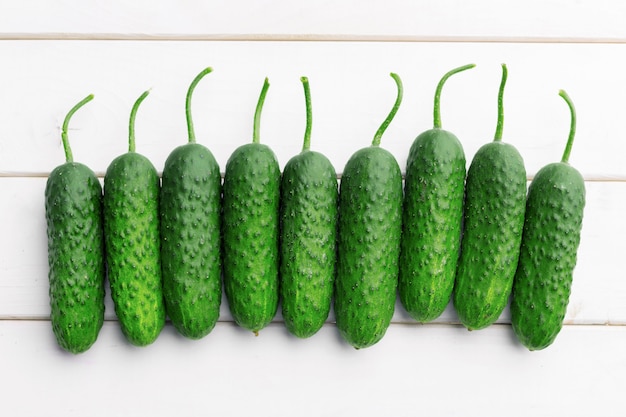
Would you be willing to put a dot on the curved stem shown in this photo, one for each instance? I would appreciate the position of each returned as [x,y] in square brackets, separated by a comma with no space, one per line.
[257,113]
[572,129]
[309,114]
[131,124]
[192,87]
[392,113]
[500,124]
[437,110]
[66,143]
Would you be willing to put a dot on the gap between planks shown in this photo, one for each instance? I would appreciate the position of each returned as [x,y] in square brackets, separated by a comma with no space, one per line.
[17,175]
[260,37]
[393,323]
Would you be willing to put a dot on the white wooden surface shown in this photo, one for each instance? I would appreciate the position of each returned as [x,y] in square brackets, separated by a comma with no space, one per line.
[55,53]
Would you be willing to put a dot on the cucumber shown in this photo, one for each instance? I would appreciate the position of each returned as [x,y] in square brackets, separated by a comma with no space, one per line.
[495,197]
[250,230]
[132,238]
[190,205]
[369,228]
[73,205]
[552,227]
[432,216]
[308,214]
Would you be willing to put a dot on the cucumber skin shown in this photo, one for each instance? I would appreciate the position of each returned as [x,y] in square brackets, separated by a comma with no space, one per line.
[495,202]
[370,216]
[73,205]
[190,210]
[309,198]
[431,223]
[131,230]
[250,231]
[554,215]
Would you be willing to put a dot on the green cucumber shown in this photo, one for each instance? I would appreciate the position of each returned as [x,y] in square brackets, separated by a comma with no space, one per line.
[495,201]
[131,230]
[73,203]
[369,228]
[191,193]
[250,230]
[552,227]
[432,216]
[308,236]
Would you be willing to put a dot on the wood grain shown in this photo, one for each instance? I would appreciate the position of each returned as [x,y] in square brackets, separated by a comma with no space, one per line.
[55,53]
[351,90]
[413,370]
[536,21]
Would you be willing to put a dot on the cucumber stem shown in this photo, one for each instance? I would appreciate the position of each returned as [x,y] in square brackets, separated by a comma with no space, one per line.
[192,87]
[257,113]
[500,124]
[572,129]
[66,143]
[309,114]
[437,107]
[392,113]
[131,124]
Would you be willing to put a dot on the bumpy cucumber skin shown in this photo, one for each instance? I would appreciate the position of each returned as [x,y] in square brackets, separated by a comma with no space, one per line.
[191,192]
[309,198]
[432,215]
[495,202]
[73,203]
[250,230]
[131,229]
[554,215]
[370,216]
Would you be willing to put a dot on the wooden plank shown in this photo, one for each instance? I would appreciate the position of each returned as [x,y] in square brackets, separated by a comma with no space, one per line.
[442,370]
[598,293]
[351,92]
[54,53]
[526,21]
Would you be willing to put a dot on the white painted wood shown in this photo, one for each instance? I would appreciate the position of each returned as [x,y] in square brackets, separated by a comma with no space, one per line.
[598,292]
[55,53]
[352,93]
[483,20]
[439,370]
